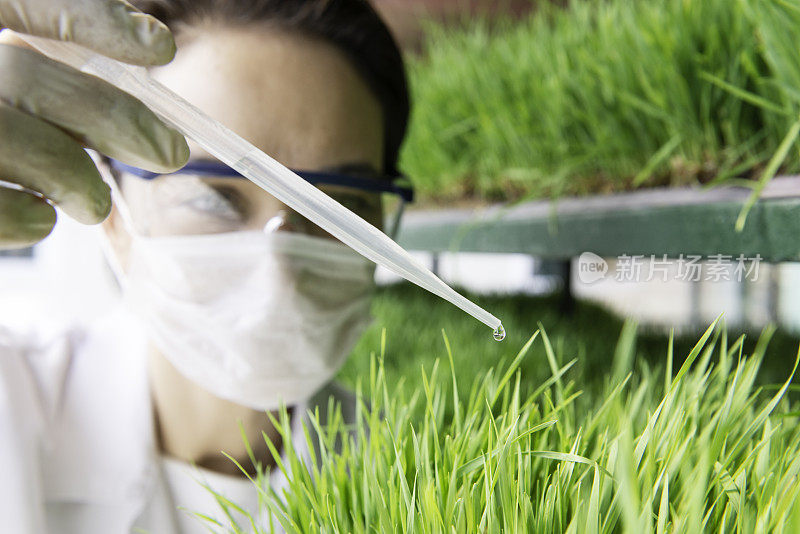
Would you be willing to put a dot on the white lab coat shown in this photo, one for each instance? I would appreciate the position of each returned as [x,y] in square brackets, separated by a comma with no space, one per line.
[77,447]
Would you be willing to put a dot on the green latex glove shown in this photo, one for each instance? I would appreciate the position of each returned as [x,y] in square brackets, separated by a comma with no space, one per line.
[49,112]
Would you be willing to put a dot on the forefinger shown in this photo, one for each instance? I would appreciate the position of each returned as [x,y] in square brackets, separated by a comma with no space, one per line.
[113,28]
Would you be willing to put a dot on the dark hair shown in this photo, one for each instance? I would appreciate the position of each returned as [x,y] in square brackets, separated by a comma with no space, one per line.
[352,26]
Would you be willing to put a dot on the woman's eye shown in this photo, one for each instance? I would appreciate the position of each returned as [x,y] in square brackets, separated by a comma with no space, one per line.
[219,201]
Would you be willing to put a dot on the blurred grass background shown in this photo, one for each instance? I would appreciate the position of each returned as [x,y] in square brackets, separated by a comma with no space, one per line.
[603,96]
[590,334]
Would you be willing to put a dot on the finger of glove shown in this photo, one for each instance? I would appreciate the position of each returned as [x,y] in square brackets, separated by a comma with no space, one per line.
[93,111]
[40,157]
[25,219]
[111,27]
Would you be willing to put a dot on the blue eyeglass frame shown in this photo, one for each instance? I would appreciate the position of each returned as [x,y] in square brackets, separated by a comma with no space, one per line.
[210,168]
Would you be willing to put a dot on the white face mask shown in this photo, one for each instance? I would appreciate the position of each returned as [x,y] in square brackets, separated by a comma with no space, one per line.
[257,318]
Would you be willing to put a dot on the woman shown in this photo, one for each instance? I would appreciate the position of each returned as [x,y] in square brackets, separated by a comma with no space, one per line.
[234,304]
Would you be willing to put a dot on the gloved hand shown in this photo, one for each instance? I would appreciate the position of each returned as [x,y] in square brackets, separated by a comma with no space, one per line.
[49,111]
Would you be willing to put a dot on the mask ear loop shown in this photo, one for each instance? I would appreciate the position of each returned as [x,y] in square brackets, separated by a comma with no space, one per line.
[121,205]
[274,224]
[125,216]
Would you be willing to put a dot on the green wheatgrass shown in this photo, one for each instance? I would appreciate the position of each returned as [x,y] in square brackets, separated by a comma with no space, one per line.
[606,95]
[451,441]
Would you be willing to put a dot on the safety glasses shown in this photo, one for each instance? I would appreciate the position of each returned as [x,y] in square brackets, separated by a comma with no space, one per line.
[357,179]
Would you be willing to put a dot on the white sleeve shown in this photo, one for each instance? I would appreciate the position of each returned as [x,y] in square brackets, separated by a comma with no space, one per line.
[23,418]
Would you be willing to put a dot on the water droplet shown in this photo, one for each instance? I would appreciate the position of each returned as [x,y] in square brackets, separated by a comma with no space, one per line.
[499,333]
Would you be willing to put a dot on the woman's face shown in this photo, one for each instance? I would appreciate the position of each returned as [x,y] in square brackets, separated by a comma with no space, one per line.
[296,98]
